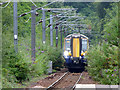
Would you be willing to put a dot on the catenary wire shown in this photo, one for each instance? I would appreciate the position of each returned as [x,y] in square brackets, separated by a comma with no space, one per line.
[33,3]
[37,9]
[6,4]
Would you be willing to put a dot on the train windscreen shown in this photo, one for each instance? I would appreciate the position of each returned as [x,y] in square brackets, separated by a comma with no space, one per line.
[84,44]
[67,44]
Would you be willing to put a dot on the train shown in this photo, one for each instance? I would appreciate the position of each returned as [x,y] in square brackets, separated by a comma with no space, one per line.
[74,52]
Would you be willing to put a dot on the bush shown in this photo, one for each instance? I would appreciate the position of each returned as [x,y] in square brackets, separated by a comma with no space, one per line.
[17,67]
[103,63]
[20,67]
[55,56]
[111,32]
[103,59]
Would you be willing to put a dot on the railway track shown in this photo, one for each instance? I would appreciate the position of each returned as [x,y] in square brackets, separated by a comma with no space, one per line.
[67,81]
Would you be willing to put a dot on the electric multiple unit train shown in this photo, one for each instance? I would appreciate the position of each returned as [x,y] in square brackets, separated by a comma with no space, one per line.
[75,49]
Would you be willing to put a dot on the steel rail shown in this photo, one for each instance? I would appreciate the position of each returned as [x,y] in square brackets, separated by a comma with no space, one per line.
[76,82]
[56,81]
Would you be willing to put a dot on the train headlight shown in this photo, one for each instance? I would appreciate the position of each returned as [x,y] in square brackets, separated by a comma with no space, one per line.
[70,54]
[66,53]
[82,54]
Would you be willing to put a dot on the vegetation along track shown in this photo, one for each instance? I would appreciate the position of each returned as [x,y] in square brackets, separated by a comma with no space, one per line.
[67,81]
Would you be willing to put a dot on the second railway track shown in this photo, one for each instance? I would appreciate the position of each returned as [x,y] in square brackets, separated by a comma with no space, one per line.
[67,81]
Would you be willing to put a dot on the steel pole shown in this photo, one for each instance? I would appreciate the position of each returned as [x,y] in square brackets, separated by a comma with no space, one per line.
[33,33]
[43,26]
[61,35]
[15,27]
[56,35]
[51,30]
[64,30]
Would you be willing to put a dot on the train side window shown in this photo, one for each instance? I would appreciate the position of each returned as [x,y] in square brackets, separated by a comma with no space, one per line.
[84,44]
[67,44]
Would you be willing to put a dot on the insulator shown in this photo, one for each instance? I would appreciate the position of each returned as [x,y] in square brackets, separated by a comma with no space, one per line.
[49,10]
[23,14]
[39,8]
[57,24]
[40,21]
[49,25]
[36,13]
[56,27]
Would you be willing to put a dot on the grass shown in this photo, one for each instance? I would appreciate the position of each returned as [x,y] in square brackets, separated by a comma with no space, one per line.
[26,84]
[33,81]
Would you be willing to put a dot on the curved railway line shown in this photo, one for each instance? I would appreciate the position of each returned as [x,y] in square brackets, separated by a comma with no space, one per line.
[67,81]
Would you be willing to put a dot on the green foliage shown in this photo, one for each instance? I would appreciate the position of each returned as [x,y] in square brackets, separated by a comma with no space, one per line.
[101,8]
[57,5]
[20,67]
[56,56]
[15,69]
[103,59]
[111,32]
[80,5]
[103,63]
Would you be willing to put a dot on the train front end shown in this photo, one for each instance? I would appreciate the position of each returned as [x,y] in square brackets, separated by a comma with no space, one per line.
[75,48]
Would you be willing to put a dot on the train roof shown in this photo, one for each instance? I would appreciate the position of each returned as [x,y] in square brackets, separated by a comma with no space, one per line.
[76,34]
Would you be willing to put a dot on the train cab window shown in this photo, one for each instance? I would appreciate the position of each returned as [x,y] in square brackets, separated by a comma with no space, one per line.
[67,44]
[84,44]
